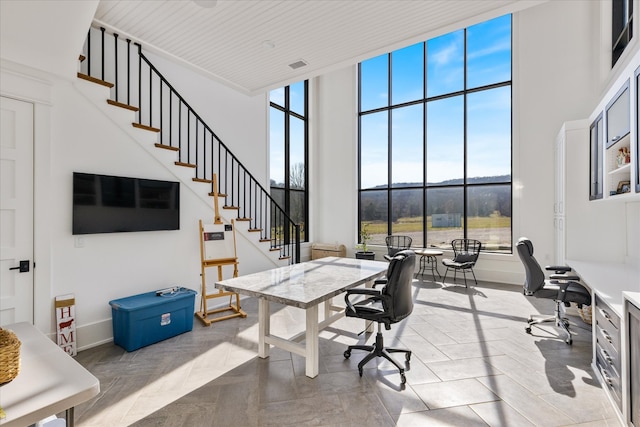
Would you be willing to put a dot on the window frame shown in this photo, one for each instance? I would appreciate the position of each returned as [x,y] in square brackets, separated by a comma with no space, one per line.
[466,185]
[288,113]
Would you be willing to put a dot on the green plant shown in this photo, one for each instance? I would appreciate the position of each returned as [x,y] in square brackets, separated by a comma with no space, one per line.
[364,236]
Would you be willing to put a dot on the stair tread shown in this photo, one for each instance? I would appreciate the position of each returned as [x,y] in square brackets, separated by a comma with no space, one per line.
[122,105]
[145,127]
[167,147]
[94,80]
[188,165]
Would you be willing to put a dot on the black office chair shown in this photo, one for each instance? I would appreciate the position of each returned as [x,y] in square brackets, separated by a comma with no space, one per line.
[395,244]
[465,255]
[560,287]
[388,305]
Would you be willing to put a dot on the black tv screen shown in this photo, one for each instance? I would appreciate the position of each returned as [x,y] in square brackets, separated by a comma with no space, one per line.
[113,204]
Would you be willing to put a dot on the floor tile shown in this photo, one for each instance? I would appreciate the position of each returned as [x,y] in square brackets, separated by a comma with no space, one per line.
[472,364]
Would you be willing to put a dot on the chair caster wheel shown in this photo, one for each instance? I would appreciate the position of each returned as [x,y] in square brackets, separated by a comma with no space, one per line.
[403,379]
[347,354]
[408,357]
[360,371]
[528,329]
[569,341]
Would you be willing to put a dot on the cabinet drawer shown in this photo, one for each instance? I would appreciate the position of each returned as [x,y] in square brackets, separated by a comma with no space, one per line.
[608,338]
[610,380]
[609,357]
[604,313]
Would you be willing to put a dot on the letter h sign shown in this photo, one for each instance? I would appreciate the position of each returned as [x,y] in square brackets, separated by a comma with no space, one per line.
[66,323]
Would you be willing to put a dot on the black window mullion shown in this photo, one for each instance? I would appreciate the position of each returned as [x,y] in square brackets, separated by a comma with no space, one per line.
[424,145]
[465,182]
[389,148]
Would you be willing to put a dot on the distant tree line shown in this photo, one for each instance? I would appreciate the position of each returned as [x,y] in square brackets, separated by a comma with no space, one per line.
[442,198]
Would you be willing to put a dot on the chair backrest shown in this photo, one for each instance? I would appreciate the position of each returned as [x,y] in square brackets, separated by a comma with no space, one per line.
[466,250]
[534,279]
[398,287]
[396,243]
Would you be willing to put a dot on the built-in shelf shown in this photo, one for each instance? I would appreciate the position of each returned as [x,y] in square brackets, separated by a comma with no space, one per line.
[624,169]
[618,177]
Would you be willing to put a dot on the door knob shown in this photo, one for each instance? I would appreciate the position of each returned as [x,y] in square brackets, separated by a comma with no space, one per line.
[23,267]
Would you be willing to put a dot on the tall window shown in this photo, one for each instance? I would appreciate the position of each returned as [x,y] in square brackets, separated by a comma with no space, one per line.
[435,139]
[288,139]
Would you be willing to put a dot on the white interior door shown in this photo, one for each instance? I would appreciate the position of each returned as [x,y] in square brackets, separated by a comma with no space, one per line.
[16,211]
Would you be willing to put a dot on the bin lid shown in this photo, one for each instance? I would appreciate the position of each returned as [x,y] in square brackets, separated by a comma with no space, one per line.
[150,299]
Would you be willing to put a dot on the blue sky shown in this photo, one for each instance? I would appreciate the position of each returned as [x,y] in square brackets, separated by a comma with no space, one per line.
[488,113]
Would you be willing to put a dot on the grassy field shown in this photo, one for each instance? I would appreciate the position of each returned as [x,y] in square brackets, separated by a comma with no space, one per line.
[493,232]
[410,225]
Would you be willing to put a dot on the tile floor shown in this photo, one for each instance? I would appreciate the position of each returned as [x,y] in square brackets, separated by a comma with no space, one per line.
[472,365]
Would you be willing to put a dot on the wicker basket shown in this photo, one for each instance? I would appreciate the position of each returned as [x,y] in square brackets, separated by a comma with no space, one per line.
[9,356]
[585,313]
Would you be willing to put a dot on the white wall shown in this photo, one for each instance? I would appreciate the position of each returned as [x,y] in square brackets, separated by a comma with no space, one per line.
[75,130]
[551,84]
[333,158]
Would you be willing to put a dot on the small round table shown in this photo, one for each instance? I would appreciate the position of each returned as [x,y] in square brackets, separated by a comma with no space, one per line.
[428,258]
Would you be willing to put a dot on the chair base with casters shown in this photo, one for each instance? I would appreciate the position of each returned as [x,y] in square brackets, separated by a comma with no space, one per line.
[379,350]
[559,320]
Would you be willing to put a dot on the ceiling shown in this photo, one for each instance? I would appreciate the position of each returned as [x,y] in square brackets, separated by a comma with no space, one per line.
[249,44]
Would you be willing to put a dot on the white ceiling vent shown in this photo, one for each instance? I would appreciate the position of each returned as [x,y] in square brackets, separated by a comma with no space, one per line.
[298,64]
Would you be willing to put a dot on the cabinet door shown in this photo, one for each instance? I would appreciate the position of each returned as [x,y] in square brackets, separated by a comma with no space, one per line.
[618,116]
[596,154]
[633,363]
[636,124]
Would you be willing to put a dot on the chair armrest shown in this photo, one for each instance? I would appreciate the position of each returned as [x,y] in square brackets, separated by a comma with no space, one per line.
[379,282]
[563,277]
[558,268]
[360,291]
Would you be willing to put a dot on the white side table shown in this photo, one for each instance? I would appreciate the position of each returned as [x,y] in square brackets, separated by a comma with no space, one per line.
[429,259]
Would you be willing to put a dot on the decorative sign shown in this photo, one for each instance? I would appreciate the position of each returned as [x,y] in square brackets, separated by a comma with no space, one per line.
[213,236]
[218,241]
[66,323]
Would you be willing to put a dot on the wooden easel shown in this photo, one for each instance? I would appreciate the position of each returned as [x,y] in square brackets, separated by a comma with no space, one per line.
[221,238]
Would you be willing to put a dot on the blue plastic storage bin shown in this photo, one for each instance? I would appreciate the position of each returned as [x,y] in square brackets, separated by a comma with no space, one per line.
[145,319]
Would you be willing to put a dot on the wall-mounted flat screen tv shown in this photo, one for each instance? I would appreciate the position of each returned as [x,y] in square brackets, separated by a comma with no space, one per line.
[114,204]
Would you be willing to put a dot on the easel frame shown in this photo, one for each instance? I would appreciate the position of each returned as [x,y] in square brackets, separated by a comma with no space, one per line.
[205,263]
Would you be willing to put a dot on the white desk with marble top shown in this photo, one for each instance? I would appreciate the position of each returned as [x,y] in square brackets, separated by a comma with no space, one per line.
[305,286]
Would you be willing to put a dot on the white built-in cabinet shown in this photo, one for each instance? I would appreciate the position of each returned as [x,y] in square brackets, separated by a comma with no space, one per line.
[594,230]
[614,157]
[569,151]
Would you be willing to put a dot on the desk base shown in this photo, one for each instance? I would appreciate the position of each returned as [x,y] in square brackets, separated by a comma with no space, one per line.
[308,350]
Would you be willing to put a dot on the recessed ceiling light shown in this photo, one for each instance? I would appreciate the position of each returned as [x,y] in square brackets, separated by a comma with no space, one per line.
[298,64]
